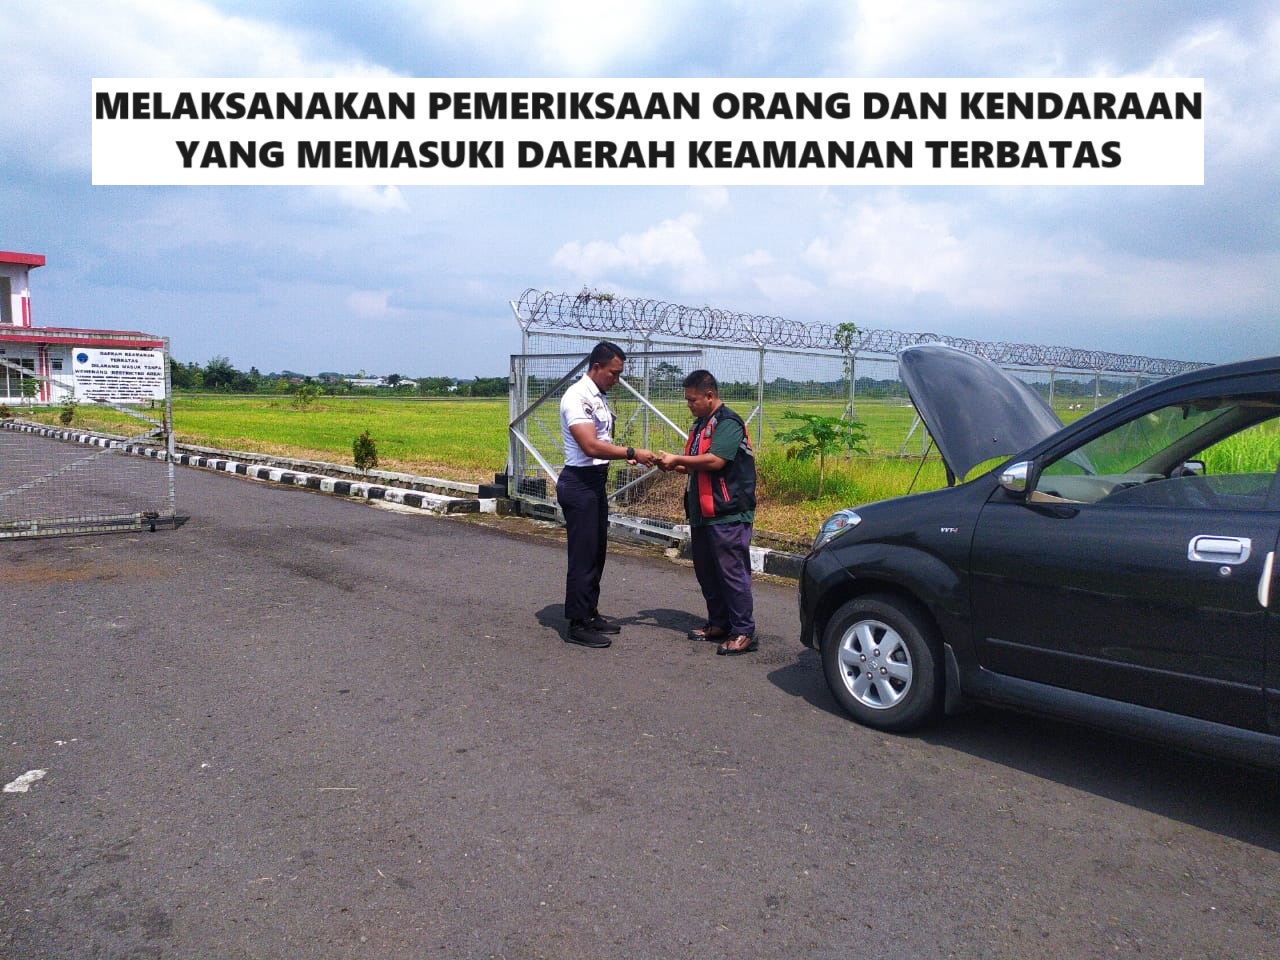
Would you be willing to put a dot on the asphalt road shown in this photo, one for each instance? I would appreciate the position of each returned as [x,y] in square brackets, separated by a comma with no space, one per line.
[297,726]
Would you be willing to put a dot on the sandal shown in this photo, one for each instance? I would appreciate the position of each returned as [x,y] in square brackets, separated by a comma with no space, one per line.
[739,644]
[708,632]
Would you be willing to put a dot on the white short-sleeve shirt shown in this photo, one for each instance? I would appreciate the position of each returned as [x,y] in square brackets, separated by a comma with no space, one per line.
[584,403]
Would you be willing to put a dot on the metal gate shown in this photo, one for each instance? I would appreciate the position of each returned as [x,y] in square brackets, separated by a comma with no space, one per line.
[57,480]
[648,406]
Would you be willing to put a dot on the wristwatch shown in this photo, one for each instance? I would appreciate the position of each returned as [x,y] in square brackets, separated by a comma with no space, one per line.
[631,453]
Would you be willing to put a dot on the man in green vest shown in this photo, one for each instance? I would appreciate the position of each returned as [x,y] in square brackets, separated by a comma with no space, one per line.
[720,503]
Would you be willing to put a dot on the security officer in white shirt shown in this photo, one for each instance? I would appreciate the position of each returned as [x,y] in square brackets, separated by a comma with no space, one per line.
[586,425]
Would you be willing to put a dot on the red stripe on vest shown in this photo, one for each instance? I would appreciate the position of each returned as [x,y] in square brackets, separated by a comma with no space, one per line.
[706,498]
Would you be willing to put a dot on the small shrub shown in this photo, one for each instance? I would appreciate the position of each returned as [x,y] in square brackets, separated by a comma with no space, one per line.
[68,412]
[5,411]
[364,452]
[822,437]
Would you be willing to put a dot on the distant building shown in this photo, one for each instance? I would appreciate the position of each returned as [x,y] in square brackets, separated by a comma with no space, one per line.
[48,364]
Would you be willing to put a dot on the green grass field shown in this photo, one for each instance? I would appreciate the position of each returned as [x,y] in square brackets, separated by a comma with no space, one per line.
[453,439]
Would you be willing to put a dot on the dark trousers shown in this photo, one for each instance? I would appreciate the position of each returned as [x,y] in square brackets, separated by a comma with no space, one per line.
[722,561]
[582,496]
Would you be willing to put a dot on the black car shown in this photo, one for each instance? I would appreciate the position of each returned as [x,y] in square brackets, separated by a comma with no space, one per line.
[1120,570]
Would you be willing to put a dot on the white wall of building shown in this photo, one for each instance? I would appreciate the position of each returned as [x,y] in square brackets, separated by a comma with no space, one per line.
[15,294]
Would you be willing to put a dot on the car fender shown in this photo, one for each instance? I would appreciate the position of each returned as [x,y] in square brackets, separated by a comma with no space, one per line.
[901,569]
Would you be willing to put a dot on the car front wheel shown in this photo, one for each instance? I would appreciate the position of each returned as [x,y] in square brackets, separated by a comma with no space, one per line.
[882,661]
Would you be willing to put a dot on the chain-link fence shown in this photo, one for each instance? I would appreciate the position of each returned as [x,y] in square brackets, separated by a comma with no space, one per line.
[57,480]
[768,366]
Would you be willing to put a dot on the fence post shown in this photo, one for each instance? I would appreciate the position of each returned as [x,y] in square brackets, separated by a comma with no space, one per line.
[517,397]
[760,403]
[853,380]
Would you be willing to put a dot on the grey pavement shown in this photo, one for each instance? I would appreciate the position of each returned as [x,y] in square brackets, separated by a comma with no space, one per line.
[298,726]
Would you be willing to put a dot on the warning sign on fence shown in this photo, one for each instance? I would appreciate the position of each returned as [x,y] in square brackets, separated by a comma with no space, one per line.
[119,376]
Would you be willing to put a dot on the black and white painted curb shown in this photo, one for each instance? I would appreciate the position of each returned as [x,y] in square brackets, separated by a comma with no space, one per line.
[422,499]
[763,559]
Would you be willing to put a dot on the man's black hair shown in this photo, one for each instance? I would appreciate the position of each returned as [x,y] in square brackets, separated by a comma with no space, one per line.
[603,352]
[701,380]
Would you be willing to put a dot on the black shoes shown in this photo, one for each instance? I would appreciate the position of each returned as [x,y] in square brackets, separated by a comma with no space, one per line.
[600,625]
[583,633]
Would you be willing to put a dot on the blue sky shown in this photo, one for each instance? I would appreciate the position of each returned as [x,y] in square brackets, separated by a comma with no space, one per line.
[416,280]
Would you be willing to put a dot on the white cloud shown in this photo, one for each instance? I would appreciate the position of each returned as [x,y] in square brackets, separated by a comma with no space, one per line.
[711,199]
[62,46]
[895,250]
[366,305]
[369,199]
[670,252]
[785,291]
[885,35]
[756,260]
[556,37]
[891,244]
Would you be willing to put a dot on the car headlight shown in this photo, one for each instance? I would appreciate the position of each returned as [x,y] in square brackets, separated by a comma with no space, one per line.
[834,525]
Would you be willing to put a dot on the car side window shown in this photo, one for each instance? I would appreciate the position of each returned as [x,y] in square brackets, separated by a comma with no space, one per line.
[1217,453]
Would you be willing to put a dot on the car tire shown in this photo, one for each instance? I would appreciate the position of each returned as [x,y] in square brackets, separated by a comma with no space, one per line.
[883,662]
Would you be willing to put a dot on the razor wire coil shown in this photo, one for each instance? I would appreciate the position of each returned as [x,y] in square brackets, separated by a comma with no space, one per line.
[605,314]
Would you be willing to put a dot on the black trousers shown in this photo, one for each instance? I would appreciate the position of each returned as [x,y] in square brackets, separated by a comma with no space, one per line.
[582,496]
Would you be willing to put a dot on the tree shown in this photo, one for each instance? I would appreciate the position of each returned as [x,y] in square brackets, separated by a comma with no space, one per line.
[219,374]
[820,436]
[666,374]
[845,336]
[184,376]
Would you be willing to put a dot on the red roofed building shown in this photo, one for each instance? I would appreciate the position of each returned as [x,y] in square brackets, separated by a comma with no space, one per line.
[15,291]
[68,361]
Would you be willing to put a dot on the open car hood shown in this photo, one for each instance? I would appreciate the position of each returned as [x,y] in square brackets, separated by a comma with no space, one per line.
[974,410]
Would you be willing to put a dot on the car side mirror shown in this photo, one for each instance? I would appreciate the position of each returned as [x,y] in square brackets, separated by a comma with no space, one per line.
[1015,477]
[1191,468]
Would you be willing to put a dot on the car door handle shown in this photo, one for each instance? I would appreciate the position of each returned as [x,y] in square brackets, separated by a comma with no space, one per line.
[1228,550]
[1264,583]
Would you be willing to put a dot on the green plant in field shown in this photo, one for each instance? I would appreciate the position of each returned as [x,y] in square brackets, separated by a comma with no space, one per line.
[5,411]
[364,452]
[68,411]
[822,436]
[305,395]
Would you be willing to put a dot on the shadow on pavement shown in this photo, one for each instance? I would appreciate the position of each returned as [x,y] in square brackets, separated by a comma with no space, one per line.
[1212,794]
